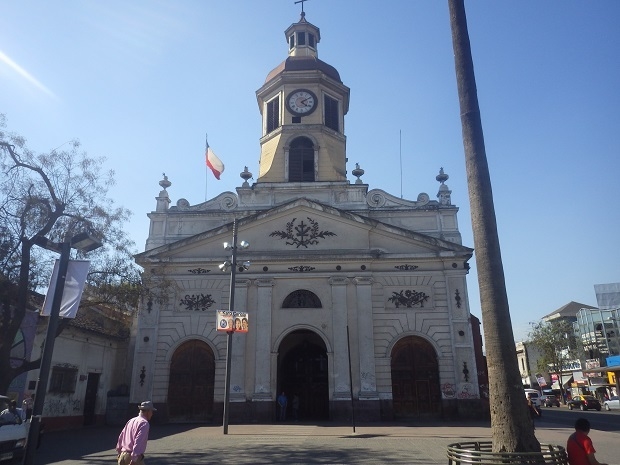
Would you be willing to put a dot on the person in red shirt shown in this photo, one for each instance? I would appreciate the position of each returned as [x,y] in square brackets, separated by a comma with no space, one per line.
[579,446]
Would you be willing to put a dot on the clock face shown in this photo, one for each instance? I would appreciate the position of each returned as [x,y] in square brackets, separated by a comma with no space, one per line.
[301,102]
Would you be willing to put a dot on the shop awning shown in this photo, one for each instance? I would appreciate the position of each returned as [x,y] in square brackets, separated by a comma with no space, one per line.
[602,369]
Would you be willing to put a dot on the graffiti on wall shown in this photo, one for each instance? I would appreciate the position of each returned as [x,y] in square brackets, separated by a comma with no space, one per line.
[55,406]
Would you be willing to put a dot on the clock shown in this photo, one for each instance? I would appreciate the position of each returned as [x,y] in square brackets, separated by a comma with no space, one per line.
[301,102]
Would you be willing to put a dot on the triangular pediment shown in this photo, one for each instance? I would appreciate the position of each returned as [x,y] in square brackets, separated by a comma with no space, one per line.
[306,229]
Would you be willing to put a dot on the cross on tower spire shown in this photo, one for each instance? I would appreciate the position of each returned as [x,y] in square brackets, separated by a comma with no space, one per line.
[302,6]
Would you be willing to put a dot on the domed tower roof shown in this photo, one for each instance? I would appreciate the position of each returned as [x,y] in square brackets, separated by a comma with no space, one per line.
[307,63]
[303,38]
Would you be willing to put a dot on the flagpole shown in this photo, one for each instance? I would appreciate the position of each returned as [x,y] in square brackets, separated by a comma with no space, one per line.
[206,167]
[400,155]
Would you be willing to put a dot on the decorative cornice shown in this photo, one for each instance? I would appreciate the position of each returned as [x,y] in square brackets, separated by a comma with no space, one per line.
[378,198]
[199,271]
[406,267]
[226,201]
[301,268]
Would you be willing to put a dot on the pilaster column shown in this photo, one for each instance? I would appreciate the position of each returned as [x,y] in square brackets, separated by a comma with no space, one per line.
[365,339]
[286,162]
[262,323]
[237,374]
[340,372]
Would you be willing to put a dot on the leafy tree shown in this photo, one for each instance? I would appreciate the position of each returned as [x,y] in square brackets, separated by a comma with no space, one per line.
[511,427]
[555,341]
[56,195]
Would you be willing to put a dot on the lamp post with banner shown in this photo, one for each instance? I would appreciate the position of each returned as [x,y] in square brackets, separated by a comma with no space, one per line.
[230,324]
[85,243]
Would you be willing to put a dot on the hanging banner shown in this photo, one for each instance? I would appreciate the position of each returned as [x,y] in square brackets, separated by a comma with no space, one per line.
[232,321]
[72,293]
[591,364]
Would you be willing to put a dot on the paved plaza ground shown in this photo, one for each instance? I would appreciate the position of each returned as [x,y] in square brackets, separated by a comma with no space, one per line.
[296,443]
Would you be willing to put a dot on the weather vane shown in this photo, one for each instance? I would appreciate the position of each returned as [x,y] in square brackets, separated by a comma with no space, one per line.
[302,5]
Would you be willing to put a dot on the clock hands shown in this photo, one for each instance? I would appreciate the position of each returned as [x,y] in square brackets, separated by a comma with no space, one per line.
[303,102]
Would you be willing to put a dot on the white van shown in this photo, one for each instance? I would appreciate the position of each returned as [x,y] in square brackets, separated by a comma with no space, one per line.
[534,395]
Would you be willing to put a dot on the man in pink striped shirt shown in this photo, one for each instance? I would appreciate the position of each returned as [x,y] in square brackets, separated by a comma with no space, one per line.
[131,443]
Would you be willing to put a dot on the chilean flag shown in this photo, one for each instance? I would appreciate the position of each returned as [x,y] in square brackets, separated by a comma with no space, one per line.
[214,163]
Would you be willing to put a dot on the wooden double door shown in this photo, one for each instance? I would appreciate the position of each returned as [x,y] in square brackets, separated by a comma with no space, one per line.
[415,379]
[192,376]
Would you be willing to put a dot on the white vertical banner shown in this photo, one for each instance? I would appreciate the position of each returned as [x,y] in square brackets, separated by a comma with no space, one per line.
[74,285]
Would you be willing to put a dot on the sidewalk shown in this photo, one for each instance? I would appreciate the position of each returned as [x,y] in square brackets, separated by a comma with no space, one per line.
[291,444]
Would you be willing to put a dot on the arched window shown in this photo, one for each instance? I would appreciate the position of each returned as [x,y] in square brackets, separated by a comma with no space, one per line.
[302,298]
[301,160]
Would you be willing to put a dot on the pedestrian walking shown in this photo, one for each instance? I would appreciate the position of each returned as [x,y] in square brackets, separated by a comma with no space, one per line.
[282,403]
[295,406]
[579,446]
[131,443]
[534,411]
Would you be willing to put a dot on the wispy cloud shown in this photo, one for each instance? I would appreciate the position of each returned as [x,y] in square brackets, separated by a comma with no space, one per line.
[4,58]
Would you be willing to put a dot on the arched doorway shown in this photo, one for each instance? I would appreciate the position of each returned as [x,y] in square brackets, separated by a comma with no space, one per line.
[415,379]
[190,390]
[302,371]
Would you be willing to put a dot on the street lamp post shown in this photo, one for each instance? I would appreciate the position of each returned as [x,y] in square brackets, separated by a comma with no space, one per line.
[232,264]
[81,242]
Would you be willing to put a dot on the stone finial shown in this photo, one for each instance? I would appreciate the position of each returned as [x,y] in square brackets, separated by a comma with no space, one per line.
[444,192]
[442,177]
[163,200]
[164,182]
[358,172]
[245,175]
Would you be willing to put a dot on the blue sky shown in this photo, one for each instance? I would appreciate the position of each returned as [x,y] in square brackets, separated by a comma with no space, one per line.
[141,82]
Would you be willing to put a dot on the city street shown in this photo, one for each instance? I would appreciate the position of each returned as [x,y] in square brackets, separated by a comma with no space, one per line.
[402,443]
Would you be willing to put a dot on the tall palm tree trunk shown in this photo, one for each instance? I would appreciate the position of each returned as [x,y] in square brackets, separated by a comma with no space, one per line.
[512,429]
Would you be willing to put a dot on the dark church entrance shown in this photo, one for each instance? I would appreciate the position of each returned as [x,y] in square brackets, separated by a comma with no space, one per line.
[302,371]
[190,390]
[415,379]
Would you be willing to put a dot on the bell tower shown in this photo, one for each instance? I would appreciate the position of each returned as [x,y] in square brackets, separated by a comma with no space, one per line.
[303,102]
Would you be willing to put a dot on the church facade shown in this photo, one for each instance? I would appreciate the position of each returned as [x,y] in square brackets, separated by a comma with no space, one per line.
[356,299]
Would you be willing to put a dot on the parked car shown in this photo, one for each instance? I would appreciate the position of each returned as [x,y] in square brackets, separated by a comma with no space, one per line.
[12,435]
[613,402]
[584,403]
[534,395]
[549,401]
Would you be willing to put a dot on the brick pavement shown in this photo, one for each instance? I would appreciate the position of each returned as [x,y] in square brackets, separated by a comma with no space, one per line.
[291,444]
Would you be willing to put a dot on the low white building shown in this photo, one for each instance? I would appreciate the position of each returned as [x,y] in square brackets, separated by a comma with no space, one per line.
[90,361]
